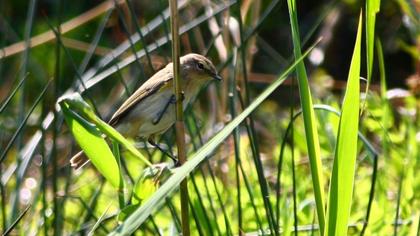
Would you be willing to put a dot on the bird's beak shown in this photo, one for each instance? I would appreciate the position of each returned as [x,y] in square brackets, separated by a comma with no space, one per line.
[217,77]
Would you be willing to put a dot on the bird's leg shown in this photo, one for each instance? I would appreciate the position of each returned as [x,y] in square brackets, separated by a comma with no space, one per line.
[155,145]
[172,100]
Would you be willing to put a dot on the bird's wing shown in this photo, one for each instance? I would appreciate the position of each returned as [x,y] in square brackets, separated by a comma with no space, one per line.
[151,86]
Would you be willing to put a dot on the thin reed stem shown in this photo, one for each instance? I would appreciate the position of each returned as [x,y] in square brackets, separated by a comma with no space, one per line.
[179,123]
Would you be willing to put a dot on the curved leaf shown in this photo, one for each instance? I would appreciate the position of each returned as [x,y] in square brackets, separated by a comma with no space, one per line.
[94,145]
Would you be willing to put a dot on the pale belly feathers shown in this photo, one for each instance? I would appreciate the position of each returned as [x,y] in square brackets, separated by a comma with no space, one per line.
[139,122]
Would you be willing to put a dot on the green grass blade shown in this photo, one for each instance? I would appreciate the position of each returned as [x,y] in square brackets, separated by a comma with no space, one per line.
[99,221]
[125,30]
[199,206]
[250,126]
[236,137]
[142,213]
[16,221]
[372,8]
[310,123]
[342,178]
[194,130]
[385,103]
[23,123]
[140,33]
[381,62]
[398,208]
[94,43]
[384,121]
[12,94]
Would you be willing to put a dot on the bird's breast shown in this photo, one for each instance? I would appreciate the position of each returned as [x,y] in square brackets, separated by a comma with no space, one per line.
[149,117]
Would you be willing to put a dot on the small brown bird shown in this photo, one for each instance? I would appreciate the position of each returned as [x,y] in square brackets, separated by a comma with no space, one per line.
[150,110]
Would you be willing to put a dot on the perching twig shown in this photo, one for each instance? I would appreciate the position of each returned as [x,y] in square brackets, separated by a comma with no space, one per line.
[179,124]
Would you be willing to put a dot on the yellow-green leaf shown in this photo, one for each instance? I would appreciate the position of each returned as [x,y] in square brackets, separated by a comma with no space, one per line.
[342,178]
[94,146]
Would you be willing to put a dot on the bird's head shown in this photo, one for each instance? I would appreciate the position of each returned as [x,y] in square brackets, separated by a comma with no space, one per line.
[198,68]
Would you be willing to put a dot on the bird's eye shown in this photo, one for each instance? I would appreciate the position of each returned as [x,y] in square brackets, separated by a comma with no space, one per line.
[200,66]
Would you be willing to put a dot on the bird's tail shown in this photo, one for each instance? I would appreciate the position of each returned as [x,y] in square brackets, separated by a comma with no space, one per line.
[79,160]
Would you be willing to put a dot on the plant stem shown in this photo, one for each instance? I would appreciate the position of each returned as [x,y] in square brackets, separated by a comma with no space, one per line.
[179,124]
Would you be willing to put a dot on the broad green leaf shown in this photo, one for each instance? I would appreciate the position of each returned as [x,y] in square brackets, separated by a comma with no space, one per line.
[154,202]
[94,145]
[309,119]
[76,103]
[342,178]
